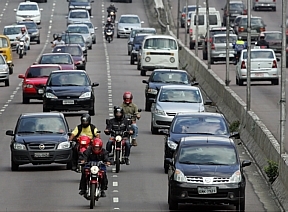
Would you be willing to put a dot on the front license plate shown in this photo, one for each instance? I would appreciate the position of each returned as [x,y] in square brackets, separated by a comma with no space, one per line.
[207,190]
[259,75]
[40,91]
[68,102]
[41,154]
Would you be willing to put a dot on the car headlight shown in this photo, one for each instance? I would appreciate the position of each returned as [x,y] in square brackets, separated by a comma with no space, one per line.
[94,169]
[147,59]
[85,95]
[34,33]
[71,7]
[152,91]
[88,7]
[64,145]
[172,144]
[179,176]
[159,112]
[236,177]
[172,59]
[28,86]
[19,146]
[51,96]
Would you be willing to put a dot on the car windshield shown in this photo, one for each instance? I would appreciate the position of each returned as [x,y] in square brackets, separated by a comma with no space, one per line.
[74,39]
[180,95]
[41,125]
[236,6]
[208,155]
[79,0]
[12,30]
[79,29]
[254,22]
[212,20]
[200,125]
[73,50]
[56,59]
[129,20]
[28,7]
[273,36]
[30,25]
[78,15]
[222,39]
[259,54]
[170,77]
[139,39]
[2,60]
[68,79]
[134,32]
[160,43]
[37,72]
[3,43]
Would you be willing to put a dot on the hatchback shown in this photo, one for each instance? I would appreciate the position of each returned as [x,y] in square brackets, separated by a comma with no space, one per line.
[78,16]
[126,23]
[83,30]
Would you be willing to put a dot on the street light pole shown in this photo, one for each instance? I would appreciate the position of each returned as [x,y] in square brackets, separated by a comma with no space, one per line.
[248,89]
[178,19]
[227,81]
[197,27]
[208,35]
[186,18]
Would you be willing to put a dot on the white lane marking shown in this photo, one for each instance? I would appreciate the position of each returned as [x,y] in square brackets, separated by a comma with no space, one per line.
[115,191]
[4,9]
[115,199]
[115,184]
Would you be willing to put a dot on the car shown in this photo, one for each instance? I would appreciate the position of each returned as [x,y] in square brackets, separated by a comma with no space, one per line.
[65,60]
[33,30]
[264,66]
[81,4]
[12,31]
[194,124]
[126,1]
[91,29]
[137,42]
[172,99]
[40,138]
[4,71]
[34,80]
[235,8]
[136,31]
[126,23]
[76,38]
[274,38]
[191,8]
[160,77]
[264,4]
[69,91]
[39,1]
[76,53]
[83,30]
[206,170]
[78,16]
[28,11]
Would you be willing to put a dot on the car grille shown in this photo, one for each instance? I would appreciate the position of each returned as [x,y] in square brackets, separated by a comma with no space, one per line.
[200,180]
[171,114]
[160,53]
[47,146]
[166,123]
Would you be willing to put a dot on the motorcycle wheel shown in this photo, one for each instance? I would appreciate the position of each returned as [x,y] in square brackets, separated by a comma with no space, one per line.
[109,40]
[92,196]
[117,162]
[20,55]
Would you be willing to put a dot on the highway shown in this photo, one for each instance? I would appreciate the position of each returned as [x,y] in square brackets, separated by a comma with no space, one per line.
[142,186]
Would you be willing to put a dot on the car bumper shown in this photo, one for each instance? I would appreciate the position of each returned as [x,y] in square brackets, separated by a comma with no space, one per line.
[34,37]
[57,104]
[221,55]
[4,76]
[259,76]
[161,122]
[123,32]
[265,5]
[36,19]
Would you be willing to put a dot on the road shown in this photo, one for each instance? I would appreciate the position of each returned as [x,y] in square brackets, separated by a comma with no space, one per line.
[265,97]
[140,186]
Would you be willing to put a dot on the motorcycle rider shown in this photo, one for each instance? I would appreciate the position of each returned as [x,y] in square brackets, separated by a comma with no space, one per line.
[107,26]
[113,9]
[23,35]
[95,152]
[262,41]
[238,46]
[119,123]
[85,128]
[130,108]
[58,41]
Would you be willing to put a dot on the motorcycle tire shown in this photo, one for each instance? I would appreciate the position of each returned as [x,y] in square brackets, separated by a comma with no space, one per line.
[117,161]
[20,55]
[109,40]
[92,195]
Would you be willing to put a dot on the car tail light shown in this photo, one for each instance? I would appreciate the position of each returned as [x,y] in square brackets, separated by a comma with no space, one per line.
[256,0]
[274,65]
[212,46]
[191,31]
[262,29]
[274,0]
[243,65]
[244,12]
[210,40]
[241,29]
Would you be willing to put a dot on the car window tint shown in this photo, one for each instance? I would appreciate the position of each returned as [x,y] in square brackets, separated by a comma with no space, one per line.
[259,54]
[254,21]
[56,59]
[12,30]
[236,6]
[178,95]
[68,79]
[3,43]
[78,15]
[273,36]
[81,30]
[139,39]
[2,60]
[160,43]
[35,72]
[170,77]
[28,7]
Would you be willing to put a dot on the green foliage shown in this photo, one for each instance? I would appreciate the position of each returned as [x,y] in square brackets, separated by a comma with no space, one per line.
[234,126]
[271,171]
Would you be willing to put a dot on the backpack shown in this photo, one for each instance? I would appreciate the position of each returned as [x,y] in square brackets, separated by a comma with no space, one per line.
[92,127]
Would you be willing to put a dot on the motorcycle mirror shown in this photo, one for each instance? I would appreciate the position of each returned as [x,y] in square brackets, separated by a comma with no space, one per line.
[139,110]
[99,131]
[107,121]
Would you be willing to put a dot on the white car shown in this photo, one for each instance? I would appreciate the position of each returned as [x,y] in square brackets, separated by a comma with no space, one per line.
[82,29]
[76,16]
[126,23]
[264,66]
[12,31]
[28,11]
[4,71]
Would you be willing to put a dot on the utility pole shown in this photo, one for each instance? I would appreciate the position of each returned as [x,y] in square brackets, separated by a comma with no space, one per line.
[208,35]
[227,81]
[197,26]
[248,89]
[186,18]
[178,19]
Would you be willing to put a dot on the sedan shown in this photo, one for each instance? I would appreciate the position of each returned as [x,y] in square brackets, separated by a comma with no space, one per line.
[274,38]
[75,38]
[34,80]
[28,11]
[65,60]
[235,8]
[137,42]
[69,91]
[83,30]
[78,16]
[126,23]
[92,30]
[4,71]
[40,138]
[33,30]
[172,99]
[81,4]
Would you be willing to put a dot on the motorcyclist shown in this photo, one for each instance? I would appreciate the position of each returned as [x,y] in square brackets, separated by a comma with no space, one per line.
[238,46]
[113,9]
[262,42]
[95,152]
[130,108]
[58,41]
[108,25]
[23,35]
[85,128]
[119,123]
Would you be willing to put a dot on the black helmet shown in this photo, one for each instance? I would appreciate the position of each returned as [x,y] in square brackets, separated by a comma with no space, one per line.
[59,36]
[117,112]
[85,120]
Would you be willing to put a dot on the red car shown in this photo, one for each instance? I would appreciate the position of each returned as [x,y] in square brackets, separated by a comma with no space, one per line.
[34,80]
[65,60]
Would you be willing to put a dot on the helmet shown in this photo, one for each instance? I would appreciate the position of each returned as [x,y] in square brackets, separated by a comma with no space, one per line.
[97,144]
[262,35]
[112,5]
[85,120]
[118,112]
[127,97]
[23,29]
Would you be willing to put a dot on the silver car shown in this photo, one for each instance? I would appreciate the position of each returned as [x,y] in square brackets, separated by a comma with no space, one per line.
[172,99]
[126,23]
[83,30]
[4,71]
[218,47]
[76,16]
[264,4]
[92,30]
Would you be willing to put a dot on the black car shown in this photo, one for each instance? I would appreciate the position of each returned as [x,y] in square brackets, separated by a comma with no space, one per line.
[69,91]
[236,8]
[81,4]
[40,138]
[33,30]
[206,170]
[194,124]
[160,77]
[137,42]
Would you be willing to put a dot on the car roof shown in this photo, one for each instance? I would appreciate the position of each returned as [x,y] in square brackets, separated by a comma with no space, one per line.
[55,53]
[78,24]
[238,2]
[266,32]
[219,28]
[70,71]
[22,22]
[179,87]
[15,25]
[71,44]
[144,28]
[224,34]
[45,65]
[203,114]
[211,139]
[28,2]
[129,15]
[79,10]
[41,114]
[245,50]
[169,70]
[160,36]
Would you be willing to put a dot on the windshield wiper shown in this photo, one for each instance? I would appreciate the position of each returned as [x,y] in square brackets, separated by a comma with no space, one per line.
[157,81]
[26,132]
[44,131]
[166,100]
[186,101]
[69,84]
[175,82]
[214,163]
[201,133]
[187,162]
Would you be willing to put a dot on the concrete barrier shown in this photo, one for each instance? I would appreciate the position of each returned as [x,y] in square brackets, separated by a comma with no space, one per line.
[259,141]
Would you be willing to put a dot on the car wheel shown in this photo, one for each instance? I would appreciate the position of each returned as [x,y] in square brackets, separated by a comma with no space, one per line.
[275,82]
[10,70]
[147,106]
[90,12]
[69,165]
[7,83]
[92,112]
[143,72]
[138,66]
[241,206]
[129,53]
[118,36]
[240,82]
[28,47]
[14,166]
[237,82]
[131,60]
[192,45]
[38,41]
[153,129]
[173,205]
[25,100]
[94,41]
[212,61]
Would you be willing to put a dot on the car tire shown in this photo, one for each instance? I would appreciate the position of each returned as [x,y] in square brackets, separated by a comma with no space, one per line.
[240,82]
[154,130]
[132,60]
[212,61]
[129,53]
[25,100]
[38,41]
[11,70]
[237,82]
[166,167]
[205,56]
[28,47]
[192,45]
[275,82]
[90,12]
[118,36]
[7,83]
[143,72]
[45,110]
[92,111]
[69,165]
[138,66]
[274,9]
[14,166]
[173,205]
[94,41]
[147,106]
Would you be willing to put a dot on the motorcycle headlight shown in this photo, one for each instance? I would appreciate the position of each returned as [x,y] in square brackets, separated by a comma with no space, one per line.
[28,86]
[236,177]
[19,146]
[172,144]
[51,96]
[179,176]
[152,91]
[85,95]
[64,145]
[172,59]
[34,33]
[118,138]
[147,59]
[160,112]
[94,169]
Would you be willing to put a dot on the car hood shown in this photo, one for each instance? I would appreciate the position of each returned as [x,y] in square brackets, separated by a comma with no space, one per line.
[130,26]
[157,85]
[177,137]
[3,66]
[28,13]
[37,81]
[32,30]
[77,58]
[79,4]
[67,66]
[40,138]
[85,36]
[180,107]
[72,91]
[12,37]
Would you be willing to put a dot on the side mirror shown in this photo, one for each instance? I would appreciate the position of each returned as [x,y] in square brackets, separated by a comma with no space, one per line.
[21,76]
[142,22]
[41,9]
[195,83]
[235,135]
[246,163]
[95,84]
[95,28]
[163,132]
[10,132]
[91,16]
[208,102]
[278,59]
[180,47]
[15,10]
[169,161]
[145,81]
[152,100]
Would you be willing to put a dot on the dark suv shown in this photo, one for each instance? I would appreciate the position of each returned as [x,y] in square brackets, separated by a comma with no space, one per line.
[81,4]
[236,8]
[206,170]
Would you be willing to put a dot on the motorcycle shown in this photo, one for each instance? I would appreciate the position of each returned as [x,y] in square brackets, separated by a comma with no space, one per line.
[129,118]
[109,34]
[112,15]
[21,48]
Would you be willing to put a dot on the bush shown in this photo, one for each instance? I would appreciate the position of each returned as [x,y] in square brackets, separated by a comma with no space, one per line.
[234,126]
[271,171]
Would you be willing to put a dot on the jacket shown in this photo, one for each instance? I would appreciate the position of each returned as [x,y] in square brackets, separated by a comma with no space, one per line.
[262,43]
[239,45]
[111,9]
[119,125]
[130,109]
[89,155]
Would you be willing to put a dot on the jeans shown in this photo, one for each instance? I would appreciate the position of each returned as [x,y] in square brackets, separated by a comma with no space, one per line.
[135,130]
[127,147]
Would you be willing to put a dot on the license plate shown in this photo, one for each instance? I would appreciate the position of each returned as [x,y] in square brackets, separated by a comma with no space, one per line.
[68,102]
[259,75]
[40,91]
[207,190]
[41,154]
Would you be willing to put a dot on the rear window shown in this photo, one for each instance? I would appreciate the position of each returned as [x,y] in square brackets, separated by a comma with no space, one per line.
[148,31]
[259,54]
[35,72]
[222,39]
[201,18]
[217,32]
[254,21]
[236,6]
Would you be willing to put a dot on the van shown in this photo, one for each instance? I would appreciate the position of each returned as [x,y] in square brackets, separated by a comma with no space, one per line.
[214,21]
[158,51]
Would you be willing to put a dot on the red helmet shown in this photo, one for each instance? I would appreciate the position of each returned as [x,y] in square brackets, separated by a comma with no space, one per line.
[84,139]
[97,144]
[127,97]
